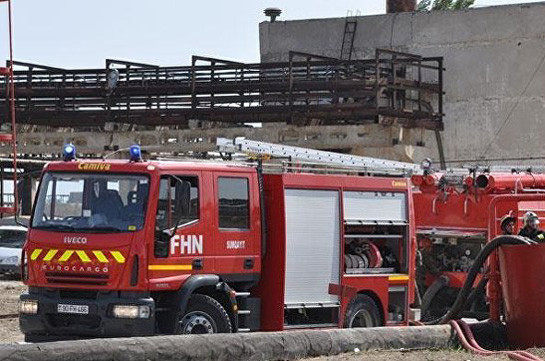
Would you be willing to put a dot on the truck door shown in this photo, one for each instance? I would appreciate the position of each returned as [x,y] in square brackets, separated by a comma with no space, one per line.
[238,225]
[180,233]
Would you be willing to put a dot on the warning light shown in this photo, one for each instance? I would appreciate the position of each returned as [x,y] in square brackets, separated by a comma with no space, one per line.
[69,152]
[136,153]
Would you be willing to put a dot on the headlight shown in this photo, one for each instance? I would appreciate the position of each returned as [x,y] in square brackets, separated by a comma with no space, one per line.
[13,260]
[131,311]
[28,306]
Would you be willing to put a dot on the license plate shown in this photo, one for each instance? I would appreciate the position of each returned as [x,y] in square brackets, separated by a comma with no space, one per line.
[77,309]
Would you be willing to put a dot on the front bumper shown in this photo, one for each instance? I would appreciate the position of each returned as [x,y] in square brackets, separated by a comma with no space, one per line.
[99,322]
[10,269]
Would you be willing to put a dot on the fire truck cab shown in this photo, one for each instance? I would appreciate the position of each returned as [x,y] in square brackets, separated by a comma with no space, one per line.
[126,248]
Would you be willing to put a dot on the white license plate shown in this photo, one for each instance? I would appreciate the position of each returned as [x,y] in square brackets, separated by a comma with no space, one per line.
[78,309]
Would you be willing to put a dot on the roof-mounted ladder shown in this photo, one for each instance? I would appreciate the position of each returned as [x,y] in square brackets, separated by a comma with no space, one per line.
[365,164]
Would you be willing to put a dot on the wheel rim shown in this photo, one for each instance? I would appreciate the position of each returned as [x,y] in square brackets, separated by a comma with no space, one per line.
[197,322]
[362,318]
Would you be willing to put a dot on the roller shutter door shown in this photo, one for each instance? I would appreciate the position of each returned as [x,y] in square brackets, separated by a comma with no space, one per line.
[312,246]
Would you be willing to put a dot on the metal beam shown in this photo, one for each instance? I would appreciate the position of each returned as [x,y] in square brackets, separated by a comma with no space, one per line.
[203,140]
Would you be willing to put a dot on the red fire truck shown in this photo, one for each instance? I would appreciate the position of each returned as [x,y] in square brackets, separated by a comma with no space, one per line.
[132,247]
[453,216]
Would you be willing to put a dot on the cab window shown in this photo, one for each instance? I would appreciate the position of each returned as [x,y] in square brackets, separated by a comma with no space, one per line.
[178,205]
[178,201]
[234,204]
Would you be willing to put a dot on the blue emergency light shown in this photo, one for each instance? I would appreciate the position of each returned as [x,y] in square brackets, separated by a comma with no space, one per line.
[136,153]
[69,152]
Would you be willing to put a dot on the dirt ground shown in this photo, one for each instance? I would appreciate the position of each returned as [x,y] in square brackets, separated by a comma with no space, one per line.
[9,298]
[417,355]
[9,333]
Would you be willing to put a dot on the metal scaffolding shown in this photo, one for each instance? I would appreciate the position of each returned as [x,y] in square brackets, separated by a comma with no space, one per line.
[391,88]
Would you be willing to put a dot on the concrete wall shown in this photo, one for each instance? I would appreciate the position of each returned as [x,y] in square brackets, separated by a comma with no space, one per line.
[494,69]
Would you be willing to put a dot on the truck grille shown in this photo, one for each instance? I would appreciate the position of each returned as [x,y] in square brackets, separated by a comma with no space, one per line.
[78,294]
[62,320]
[76,278]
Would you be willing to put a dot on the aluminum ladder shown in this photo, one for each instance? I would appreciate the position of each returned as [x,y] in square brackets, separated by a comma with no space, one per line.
[365,164]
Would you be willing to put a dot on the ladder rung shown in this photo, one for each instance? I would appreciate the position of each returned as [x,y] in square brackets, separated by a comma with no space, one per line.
[6,137]
[244,312]
[4,71]
[7,210]
[242,294]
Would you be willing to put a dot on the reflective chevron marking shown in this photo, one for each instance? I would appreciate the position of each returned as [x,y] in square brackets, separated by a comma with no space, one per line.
[49,256]
[84,256]
[66,256]
[35,254]
[118,256]
[100,256]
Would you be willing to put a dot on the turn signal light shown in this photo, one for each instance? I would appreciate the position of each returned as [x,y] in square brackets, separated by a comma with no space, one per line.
[131,311]
[28,307]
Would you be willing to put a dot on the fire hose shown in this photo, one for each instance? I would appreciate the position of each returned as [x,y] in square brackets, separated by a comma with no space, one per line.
[461,328]
[481,258]
[463,331]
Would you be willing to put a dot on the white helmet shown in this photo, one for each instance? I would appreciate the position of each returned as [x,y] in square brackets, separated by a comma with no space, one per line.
[530,218]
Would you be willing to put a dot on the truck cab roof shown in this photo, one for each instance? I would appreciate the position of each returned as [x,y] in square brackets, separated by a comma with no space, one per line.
[98,165]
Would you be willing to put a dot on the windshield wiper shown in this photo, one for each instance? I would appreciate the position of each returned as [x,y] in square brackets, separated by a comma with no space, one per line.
[99,229]
[56,227]
[64,227]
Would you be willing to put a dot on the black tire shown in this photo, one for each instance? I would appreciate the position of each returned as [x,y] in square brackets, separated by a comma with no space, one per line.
[203,315]
[362,311]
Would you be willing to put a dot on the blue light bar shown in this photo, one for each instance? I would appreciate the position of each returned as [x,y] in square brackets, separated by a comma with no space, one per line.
[69,152]
[136,153]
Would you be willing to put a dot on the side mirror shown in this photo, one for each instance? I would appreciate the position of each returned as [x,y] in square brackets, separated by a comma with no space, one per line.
[162,243]
[183,197]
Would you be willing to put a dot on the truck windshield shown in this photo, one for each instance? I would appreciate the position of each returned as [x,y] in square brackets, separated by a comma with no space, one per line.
[91,202]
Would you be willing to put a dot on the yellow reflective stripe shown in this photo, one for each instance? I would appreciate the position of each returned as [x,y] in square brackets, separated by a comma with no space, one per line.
[35,254]
[49,256]
[118,256]
[66,255]
[100,256]
[398,278]
[171,267]
[83,256]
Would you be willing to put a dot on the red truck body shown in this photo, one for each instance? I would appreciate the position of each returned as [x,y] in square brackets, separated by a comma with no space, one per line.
[269,259]
[459,217]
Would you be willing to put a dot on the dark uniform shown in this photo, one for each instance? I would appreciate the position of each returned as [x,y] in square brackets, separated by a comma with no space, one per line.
[532,233]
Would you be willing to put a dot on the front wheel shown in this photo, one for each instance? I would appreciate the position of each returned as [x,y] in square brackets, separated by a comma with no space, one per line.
[204,315]
[362,311]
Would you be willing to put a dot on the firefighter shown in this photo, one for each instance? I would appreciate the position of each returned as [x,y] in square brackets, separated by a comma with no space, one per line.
[508,224]
[425,264]
[530,229]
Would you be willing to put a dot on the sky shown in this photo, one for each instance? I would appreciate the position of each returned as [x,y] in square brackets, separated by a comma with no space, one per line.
[79,33]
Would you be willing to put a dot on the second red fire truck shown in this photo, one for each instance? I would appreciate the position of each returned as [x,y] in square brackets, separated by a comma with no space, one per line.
[453,219]
[132,247]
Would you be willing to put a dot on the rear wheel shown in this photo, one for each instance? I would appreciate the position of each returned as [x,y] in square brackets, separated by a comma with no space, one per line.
[204,315]
[362,311]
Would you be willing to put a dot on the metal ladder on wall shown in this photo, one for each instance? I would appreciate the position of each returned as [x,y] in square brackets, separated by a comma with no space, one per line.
[347,161]
[9,135]
[350,26]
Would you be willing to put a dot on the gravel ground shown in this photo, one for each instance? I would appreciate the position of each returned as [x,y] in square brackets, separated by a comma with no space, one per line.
[9,298]
[416,355]
[9,333]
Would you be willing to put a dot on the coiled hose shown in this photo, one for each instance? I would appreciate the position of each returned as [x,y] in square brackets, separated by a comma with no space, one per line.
[473,272]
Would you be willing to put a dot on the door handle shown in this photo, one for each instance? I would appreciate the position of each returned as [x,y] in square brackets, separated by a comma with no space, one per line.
[248,263]
[197,264]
